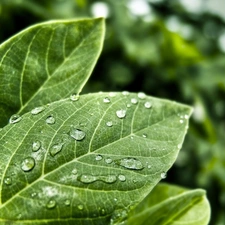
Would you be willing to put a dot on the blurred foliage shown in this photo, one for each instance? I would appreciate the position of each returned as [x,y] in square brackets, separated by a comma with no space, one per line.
[166,51]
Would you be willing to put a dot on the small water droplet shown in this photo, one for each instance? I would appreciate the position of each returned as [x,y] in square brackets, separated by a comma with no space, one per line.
[186,117]
[148,105]
[37,110]
[109,179]
[74,97]
[112,94]
[34,194]
[8,180]
[106,100]
[181,121]
[108,160]
[149,166]
[130,163]
[144,135]
[77,134]
[109,124]
[179,145]
[15,118]
[122,178]
[163,175]
[128,105]
[102,211]
[27,164]
[132,137]
[121,113]
[50,120]
[134,101]
[80,207]
[74,171]
[87,179]
[125,93]
[98,157]
[55,149]
[67,202]
[141,95]
[36,146]
[51,204]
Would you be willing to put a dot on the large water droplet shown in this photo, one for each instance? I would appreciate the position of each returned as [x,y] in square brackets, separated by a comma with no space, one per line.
[28,164]
[51,204]
[130,163]
[148,105]
[109,124]
[122,178]
[163,175]
[106,100]
[109,179]
[134,101]
[98,157]
[121,113]
[8,180]
[87,179]
[141,95]
[50,120]
[37,110]
[15,118]
[36,146]
[74,97]
[55,149]
[77,134]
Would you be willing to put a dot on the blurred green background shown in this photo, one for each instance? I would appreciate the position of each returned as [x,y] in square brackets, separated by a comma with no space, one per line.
[172,49]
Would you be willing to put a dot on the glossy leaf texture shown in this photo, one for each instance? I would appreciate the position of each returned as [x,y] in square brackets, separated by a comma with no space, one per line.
[170,204]
[47,62]
[88,160]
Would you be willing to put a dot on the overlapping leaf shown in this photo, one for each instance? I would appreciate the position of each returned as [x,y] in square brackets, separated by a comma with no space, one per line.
[87,161]
[47,62]
[169,204]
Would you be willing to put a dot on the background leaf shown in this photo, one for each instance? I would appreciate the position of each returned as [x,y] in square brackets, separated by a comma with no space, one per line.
[169,204]
[47,62]
[87,160]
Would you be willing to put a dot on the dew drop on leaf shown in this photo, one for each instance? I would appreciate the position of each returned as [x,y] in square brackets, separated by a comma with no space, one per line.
[125,93]
[50,120]
[128,105]
[37,110]
[112,94]
[179,146]
[106,100]
[186,117]
[141,95]
[51,204]
[109,179]
[74,97]
[144,135]
[130,163]
[8,180]
[148,105]
[109,124]
[121,113]
[36,146]
[122,177]
[77,134]
[34,194]
[80,207]
[74,171]
[55,149]
[98,157]
[163,175]
[67,202]
[15,118]
[27,164]
[87,179]
[134,101]
[108,160]
[181,121]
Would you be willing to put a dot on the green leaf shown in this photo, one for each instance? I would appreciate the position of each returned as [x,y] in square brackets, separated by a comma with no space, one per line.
[87,161]
[47,62]
[169,204]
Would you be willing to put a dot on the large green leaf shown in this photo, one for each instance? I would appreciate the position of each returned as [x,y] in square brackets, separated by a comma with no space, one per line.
[169,204]
[87,161]
[47,62]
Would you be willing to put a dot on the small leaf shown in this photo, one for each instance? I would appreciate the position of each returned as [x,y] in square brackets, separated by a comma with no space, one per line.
[47,62]
[169,204]
[101,170]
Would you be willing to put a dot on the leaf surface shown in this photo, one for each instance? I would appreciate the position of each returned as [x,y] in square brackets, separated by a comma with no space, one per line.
[47,62]
[169,204]
[87,161]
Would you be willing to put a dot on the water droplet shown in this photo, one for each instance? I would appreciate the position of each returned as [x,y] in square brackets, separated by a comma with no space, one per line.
[8,180]
[50,120]
[179,145]
[109,124]
[80,207]
[134,101]
[74,171]
[37,110]
[121,113]
[51,204]
[102,211]
[128,105]
[98,157]
[148,105]
[87,179]
[181,121]
[163,175]
[132,137]
[109,179]
[112,94]
[34,194]
[74,97]
[27,164]
[55,149]
[149,166]
[36,146]
[144,135]
[67,202]
[15,118]
[141,95]
[108,160]
[106,100]
[122,177]
[130,163]
[186,117]
[125,93]
[77,134]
